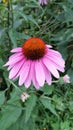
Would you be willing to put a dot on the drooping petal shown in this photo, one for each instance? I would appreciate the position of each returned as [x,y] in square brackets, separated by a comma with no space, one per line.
[54,53]
[27,82]
[24,72]
[15,60]
[29,78]
[56,59]
[61,69]
[48,76]
[18,74]
[40,76]
[33,76]
[59,64]
[10,67]
[18,49]
[15,69]
[16,55]
[51,67]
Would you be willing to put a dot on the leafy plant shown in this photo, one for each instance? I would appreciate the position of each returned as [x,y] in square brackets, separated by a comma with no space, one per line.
[51,107]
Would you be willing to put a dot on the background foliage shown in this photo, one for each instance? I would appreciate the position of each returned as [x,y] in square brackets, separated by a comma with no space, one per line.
[51,107]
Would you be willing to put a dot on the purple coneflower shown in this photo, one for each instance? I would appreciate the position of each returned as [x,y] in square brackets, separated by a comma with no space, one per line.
[35,62]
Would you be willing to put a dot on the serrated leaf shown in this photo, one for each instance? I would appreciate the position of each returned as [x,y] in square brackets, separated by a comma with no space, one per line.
[30,106]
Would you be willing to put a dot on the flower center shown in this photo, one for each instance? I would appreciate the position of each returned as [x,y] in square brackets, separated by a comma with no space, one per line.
[34,48]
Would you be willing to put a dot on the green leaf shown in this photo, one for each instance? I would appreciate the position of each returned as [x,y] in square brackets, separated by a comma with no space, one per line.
[9,116]
[28,18]
[71,106]
[12,35]
[18,23]
[23,15]
[30,104]
[22,35]
[47,104]
[1,63]
[15,97]
[2,31]
[55,126]
[14,126]
[65,125]
[47,89]
[15,36]
[21,125]
[2,97]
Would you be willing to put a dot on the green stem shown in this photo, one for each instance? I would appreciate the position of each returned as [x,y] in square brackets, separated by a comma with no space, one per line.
[8,13]
[10,21]
[12,13]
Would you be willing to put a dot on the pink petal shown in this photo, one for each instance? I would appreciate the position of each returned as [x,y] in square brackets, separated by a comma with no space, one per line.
[49,46]
[11,66]
[56,59]
[40,76]
[14,61]
[54,53]
[16,55]
[43,2]
[15,69]
[28,80]
[57,63]
[61,69]
[33,76]
[48,76]
[50,67]
[24,72]
[18,49]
